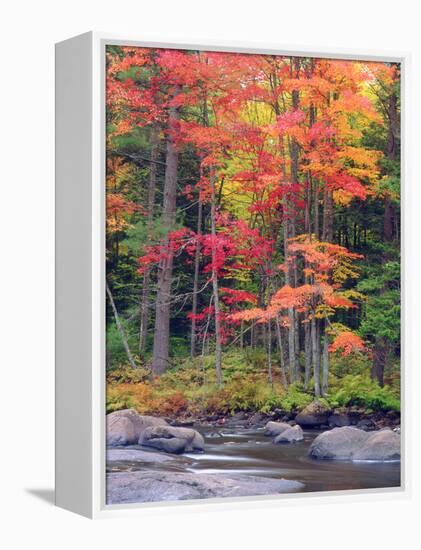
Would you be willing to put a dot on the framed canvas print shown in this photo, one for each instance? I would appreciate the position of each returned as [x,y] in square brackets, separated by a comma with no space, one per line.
[228,273]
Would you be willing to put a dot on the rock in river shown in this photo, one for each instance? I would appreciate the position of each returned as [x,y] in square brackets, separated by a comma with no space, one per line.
[290,435]
[350,443]
[383,445]
[275,428]
[126,426]
[171,439]
[151,486]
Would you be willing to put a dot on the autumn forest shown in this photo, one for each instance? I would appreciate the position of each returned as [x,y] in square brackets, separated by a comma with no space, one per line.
[253,233]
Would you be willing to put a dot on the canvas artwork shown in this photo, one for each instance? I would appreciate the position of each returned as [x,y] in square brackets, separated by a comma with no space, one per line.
[252,274]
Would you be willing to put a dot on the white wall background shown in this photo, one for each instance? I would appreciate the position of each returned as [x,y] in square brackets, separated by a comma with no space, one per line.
[29,30]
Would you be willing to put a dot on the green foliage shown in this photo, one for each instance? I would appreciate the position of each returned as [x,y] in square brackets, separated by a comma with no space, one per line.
[296,398]
[360,390]
[382,310]
[115,352]
[354,363]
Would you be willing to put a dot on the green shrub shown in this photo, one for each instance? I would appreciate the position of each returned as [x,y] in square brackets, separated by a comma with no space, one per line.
[353,363]
[360,390]
[295,398]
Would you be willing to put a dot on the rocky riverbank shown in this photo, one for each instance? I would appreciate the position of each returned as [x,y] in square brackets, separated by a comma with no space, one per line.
[150,460]
[314,416]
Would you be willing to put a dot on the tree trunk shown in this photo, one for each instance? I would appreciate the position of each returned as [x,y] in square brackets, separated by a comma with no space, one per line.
[291,319]
[145,298]
[325,370]
[120,329]
[392,150]
[315,356]
[163,298]
[327,216]
[308,356]
[215,286]
[379,360]
[281,353]
[196,280]
[316,208]
[294,150]
[269,352]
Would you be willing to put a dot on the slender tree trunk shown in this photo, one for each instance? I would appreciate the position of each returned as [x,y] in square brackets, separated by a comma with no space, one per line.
[269,352]
[163,298]
[327,236]
[307,217]
[284,380]
[120,329]
[392,150]
[315,356]
[327,215]
[294,154]
[297,346]
[196,279]
[291,317]
[325,370]
[379,360]
[308,356]
[316,208]
[215,285]
[145,298]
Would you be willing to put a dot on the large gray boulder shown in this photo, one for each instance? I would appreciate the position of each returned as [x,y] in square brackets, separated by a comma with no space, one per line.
[348,443]
[384,445]
[171,439]
[152,486]
[291,435]
[273,429]
[313,415]
[126,426]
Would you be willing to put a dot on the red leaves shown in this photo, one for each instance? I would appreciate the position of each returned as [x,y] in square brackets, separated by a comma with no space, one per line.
[290,119]
[175,242]
[232,296]
[341,181]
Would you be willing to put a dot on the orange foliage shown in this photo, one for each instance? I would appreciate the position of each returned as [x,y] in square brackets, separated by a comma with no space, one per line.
[347,342]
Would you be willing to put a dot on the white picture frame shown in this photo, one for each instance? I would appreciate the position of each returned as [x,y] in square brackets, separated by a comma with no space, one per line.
[80,275]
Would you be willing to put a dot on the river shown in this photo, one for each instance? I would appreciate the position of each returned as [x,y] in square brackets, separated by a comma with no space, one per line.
[238,450]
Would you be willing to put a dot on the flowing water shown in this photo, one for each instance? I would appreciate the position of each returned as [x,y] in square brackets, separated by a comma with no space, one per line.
[249,452]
